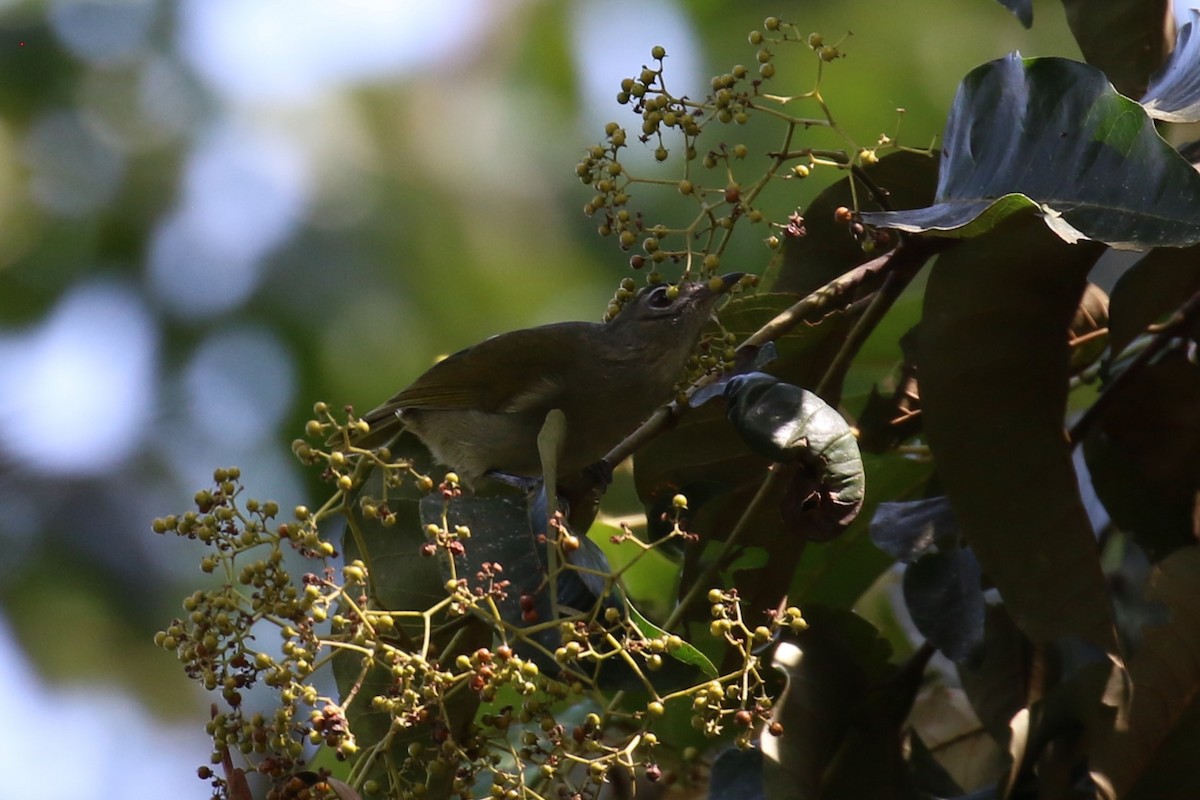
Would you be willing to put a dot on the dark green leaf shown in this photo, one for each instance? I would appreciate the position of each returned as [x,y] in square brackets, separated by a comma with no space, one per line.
[907,530]
[686,653]
[787,424]
[1052,134]
[945,599]
[1128,39]
[994,360]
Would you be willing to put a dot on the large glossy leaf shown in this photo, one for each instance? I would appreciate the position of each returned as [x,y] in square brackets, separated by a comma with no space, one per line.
[1052,134]
[1174,93]
[994,360]
[1128,39]
[1165,674]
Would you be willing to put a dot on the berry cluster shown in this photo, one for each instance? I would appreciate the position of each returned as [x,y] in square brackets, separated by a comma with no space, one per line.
[721,178]
[530,737]
[722,200]
[215,641]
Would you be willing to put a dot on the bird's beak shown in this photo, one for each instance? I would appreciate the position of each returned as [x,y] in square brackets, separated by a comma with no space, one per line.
[720,284]
[727,282]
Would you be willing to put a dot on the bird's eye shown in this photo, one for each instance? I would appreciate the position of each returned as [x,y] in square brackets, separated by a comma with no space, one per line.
[660,298]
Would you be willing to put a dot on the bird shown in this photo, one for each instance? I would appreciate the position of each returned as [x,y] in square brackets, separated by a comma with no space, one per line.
[576,389]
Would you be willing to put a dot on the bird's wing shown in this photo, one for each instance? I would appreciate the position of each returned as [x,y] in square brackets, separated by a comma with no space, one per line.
[534,361]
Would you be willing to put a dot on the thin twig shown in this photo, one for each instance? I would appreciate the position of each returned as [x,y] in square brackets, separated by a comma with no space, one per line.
[1184,316]
[703,583]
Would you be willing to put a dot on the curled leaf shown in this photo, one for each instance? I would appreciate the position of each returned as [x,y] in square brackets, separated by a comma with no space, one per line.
[791,425]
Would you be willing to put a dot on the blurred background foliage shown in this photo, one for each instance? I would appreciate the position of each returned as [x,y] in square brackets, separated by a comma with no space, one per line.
[214,212]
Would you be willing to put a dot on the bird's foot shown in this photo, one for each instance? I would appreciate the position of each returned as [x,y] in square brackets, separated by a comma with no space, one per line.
[600,474]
